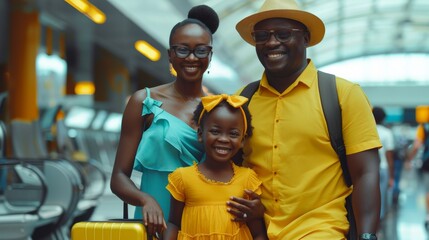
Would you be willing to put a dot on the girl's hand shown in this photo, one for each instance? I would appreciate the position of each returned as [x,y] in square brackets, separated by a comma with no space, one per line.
[153,218]
[245,210]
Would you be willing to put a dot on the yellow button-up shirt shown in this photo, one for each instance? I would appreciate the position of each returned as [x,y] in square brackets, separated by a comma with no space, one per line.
[303,187]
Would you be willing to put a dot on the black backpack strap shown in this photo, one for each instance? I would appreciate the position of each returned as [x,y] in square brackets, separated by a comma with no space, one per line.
[425,156]
[250,89]
[248,92]
[332,111]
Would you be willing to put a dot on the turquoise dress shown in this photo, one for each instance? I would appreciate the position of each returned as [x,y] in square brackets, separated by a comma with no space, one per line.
[169,143]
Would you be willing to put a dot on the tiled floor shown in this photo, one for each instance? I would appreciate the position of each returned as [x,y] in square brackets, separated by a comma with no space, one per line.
[403,222]
[406,220]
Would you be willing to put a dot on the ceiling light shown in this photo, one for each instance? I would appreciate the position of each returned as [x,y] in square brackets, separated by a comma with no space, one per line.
[422,114]
[89,10]
[84,88]
[96,15]
[80,5]
[147,50]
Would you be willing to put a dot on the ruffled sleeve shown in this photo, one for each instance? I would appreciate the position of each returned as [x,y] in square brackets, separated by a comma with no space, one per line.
[168,143]
[150,105]
[176,186]
[253,182]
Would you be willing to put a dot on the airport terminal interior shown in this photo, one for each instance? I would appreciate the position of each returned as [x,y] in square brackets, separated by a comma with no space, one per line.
[67,69]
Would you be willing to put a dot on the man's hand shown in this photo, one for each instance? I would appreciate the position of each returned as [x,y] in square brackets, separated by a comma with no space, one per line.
[245,210]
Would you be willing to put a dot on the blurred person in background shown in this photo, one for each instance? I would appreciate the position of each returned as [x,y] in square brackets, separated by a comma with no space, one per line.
[402,144]
[386,159]
[422,141]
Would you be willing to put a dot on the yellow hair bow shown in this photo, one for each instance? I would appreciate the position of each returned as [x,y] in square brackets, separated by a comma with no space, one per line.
[236,101]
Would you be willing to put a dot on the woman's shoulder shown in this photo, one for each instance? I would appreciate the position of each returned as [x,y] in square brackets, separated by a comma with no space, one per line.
[160,92]
[139,95]
[156,93]
[152,98]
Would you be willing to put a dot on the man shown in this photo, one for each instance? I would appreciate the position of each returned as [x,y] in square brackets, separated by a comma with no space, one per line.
[386,158]
[303,187]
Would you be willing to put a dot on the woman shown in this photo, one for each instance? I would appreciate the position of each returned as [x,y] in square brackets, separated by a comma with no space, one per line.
[170,139]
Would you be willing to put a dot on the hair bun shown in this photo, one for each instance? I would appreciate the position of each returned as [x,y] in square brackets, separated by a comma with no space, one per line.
[206,15]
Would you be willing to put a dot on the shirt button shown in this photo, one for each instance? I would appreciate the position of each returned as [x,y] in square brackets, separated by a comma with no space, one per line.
[275,173]
[275,146]
[277,121]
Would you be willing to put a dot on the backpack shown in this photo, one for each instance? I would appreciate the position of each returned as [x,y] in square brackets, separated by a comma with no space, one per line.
[401,147]
[332,112]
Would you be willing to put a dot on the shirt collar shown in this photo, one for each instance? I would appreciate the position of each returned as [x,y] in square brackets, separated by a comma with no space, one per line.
[307,77]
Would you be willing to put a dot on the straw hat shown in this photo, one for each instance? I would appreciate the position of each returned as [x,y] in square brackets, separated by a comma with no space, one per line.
[282,9]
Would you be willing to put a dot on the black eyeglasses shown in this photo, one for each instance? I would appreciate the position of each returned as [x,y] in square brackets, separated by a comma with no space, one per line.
[282,35]
[199,52]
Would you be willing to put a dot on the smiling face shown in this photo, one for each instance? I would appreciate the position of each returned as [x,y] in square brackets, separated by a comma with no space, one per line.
[189,36]
[222,133]
[282,58]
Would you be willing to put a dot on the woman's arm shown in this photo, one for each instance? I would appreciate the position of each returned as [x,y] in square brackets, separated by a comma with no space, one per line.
[390,163]
[121,183]
[417,144]
[174,219]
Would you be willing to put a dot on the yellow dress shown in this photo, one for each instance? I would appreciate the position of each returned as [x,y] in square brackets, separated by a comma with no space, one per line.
[205,215]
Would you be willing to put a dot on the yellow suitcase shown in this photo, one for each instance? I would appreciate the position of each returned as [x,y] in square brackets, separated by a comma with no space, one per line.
[109,230]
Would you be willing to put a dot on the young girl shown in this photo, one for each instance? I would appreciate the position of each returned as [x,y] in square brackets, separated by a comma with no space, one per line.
[199,193]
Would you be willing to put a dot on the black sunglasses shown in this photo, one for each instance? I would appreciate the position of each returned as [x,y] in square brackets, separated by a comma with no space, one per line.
[199,52]
[282,35]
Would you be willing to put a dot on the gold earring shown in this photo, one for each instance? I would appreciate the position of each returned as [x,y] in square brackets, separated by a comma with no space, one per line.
[172,70]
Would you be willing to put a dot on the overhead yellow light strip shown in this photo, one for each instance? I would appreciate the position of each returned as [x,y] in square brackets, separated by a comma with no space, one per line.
[96,15]
[80,5]
[422,114]
[89,10]
[147,50]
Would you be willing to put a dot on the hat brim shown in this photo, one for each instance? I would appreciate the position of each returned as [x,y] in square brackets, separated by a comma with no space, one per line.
[314,24]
